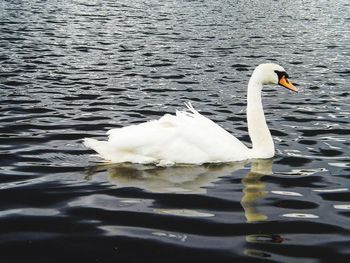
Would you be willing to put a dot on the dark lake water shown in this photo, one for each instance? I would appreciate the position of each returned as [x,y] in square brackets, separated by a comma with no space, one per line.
[75,69]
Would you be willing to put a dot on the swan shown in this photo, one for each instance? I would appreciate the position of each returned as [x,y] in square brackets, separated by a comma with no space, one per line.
[190,138]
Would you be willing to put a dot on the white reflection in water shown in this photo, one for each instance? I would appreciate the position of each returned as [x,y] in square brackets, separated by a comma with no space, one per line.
[331,190]
[183,212]
[342,207]
[31,212]
[187,179]
[300,215]
[286,193]
[131,201]
[180,237]
[342,165]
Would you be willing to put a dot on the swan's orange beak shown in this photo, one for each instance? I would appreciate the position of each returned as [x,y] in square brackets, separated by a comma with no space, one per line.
[287,84]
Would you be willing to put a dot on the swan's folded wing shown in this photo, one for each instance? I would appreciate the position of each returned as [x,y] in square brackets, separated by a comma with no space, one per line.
[187,137]
[212,139]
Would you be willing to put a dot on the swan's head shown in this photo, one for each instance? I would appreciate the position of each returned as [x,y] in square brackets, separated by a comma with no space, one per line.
[271,73]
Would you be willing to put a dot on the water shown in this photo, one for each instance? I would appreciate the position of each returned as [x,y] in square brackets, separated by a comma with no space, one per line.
[74,69]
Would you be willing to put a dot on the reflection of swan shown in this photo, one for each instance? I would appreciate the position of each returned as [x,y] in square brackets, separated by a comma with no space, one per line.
[188,179]
[190,138]
[254,189]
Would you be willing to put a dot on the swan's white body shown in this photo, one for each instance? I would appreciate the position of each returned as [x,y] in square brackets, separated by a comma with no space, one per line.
[190,138]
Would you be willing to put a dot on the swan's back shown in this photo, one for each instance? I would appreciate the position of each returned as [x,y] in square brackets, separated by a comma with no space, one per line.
[185,138]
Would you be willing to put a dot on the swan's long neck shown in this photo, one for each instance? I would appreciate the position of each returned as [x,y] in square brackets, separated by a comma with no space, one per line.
[259,133]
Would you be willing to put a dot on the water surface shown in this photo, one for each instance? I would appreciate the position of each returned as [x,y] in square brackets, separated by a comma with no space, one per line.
[75,69]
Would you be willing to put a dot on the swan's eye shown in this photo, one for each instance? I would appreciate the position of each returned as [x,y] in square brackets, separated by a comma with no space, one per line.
[280,74]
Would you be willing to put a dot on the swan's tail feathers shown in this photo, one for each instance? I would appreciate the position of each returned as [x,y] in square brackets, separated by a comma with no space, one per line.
[115,155]
[189,111]
[190,107]
[101,147]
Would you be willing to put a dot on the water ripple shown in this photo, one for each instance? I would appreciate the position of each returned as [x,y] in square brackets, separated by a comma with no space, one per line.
[76,69]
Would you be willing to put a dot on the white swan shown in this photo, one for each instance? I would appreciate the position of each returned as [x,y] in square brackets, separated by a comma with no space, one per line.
[190,138]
